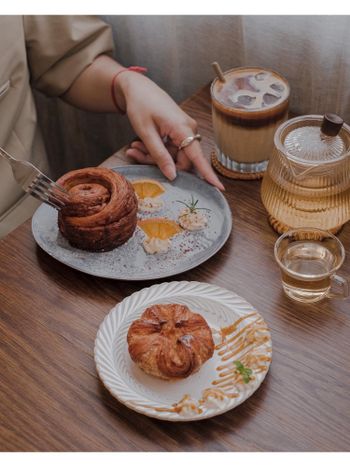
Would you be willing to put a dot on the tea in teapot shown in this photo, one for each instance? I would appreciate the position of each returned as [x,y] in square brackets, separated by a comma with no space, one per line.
[307,183]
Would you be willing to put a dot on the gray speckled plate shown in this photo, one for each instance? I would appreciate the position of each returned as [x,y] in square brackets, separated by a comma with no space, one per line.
[129,261]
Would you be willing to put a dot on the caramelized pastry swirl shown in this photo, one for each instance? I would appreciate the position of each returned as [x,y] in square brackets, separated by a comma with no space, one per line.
[102,212]
[170,341]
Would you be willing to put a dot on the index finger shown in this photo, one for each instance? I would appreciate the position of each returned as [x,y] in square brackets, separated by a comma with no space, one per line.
[159,153]
[194,152]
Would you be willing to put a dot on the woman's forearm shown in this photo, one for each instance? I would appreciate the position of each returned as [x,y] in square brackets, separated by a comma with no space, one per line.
[92,88]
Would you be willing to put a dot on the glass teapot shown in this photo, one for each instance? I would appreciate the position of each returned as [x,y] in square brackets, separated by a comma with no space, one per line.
[307,183]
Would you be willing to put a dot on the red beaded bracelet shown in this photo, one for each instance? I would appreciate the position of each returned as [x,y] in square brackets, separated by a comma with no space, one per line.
[138,69]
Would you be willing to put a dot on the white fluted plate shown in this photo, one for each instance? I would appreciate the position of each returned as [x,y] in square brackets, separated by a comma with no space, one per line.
[209,392]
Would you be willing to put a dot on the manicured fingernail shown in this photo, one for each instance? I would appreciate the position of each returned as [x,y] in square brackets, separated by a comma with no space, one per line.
[216,182]
[170,172]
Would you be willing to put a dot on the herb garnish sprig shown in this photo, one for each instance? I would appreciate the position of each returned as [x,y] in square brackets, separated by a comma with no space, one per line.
[244,371]
[192,205]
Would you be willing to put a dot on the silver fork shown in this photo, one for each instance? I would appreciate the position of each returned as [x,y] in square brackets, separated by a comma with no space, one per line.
[33,181]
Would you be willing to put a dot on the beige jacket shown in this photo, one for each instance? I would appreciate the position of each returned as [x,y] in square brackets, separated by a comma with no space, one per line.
[47,53]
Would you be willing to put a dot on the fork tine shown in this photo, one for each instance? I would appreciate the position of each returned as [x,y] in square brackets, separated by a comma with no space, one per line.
[59,187]
[61,198]
[56,201]
[40,181]
[44,199]
[43,178]
[46,194]
[47,189]
[53,188]
[59,192]
[42,184]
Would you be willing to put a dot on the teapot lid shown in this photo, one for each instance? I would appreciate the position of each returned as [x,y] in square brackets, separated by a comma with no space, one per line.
[314,139]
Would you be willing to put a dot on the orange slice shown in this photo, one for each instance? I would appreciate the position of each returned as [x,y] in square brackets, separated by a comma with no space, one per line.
[159,227]
[147,188]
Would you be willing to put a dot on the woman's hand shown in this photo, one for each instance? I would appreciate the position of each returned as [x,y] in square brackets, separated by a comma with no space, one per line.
[156,118]
[153,114]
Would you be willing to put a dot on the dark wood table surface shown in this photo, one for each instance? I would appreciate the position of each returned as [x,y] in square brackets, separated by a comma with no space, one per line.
[51,398]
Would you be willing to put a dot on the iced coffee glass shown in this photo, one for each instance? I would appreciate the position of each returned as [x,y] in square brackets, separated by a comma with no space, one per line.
[247,109]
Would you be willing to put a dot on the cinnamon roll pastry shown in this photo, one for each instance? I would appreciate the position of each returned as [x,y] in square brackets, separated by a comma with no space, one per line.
[170,341]
[102,210]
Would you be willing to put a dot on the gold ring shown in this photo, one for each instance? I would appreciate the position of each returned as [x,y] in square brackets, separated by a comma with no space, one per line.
[187,141]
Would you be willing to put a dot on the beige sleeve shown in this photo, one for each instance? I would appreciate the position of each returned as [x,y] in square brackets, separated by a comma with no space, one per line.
[59,48]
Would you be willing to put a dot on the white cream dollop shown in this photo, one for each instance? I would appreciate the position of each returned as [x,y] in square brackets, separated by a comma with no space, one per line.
[188,407]
[192,220]
[214,398]
[215,403]
[188,411]
[156,245]
[150,204]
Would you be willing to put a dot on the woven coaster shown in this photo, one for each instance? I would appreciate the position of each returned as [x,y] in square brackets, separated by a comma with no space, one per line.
[281,228]
[278,226]
[231,173]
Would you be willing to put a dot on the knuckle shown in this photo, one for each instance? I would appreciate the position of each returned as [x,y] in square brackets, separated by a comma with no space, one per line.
[196,157]
[191,123]
[161,157]
[194,125]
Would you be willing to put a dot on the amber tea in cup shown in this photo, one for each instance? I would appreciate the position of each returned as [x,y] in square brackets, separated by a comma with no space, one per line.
[307,182]
[308,259]
[248,105]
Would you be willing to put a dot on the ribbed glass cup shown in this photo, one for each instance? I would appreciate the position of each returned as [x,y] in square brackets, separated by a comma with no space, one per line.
[307,183]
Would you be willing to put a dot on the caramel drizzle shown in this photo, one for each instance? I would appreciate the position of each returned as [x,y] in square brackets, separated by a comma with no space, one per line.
[231,381]
[261,340]
[246,341]
[247,360]
[250,360]
[178,407]
[225,341]
[232,328]
[216,394]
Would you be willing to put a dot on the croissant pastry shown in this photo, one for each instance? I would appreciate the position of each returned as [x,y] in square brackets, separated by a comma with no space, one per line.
[170,341]
[102,210]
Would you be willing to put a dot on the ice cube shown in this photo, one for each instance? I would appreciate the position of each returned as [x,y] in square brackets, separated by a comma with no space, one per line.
[270,99]
[277,87]
[261,76]
[246,100]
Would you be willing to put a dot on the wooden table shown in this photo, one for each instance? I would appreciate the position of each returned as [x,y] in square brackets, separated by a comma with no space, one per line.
[52,400]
